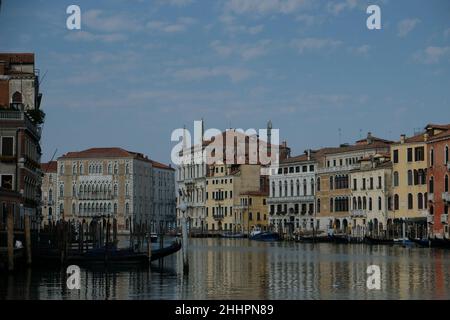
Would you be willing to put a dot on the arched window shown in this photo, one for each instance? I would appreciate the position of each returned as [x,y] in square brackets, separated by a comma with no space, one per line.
[50,211]
[355,204]
[280,189]
[410,201]
[116,169]
[359,203]
[61,190]
[74,190]
[80,208]
[81,169]
[127,169]
[396,202]
[379,204]
[318,205]
[292,188]
[74,169]
[127,208]
[17,97]
[431,185]
[318,184]
[370,204]
[419,201]
[73,208]
[446,183]
[115,208]
[50,195]
[298,187]
[431,157]
[331,205]
[312,186]
[364,203]
[410,177]
[446,155]
[273,189]
[115,190]
[331,183]
[304,187]
[285,189]
[395,179]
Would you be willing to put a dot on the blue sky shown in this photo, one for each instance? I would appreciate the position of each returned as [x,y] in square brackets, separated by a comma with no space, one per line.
[139,69]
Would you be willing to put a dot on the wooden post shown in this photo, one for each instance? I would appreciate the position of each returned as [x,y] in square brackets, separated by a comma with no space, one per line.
[10,236]
[184,243]
[27,238]
[115,232]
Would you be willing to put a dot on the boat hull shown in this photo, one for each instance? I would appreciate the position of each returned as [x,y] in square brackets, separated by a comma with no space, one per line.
[266,236]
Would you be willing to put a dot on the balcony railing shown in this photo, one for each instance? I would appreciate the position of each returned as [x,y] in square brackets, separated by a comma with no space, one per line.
[446,196]
[358,213]
[337,169]
[308,198]
[218,216]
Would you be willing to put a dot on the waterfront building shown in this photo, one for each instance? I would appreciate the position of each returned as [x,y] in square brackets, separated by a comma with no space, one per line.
[292,188]
[128,186]
[333,189]
[192,174]
[225,184]
[438,176]
[20,135]
[409,183]
[370,193]
[49,192]
[252,208]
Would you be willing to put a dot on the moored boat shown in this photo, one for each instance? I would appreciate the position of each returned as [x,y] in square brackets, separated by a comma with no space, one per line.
[373,240]
[259,235]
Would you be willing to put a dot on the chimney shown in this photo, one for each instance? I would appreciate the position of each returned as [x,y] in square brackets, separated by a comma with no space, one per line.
[308,153]
[369,138]
[425,137]
[402,138]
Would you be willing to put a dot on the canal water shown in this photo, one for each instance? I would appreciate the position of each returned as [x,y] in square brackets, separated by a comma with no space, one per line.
[243,269]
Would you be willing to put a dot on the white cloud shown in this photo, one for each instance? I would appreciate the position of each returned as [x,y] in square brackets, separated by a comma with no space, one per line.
[202,73]
[264,6]
[89,37]
[246,51]
[432,55]
[337,7]
[362,50]
[406,26]
[314,44]
[181,24]
[98,20]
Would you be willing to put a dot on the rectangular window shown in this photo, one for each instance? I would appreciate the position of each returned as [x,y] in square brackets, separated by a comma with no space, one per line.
[410,154]
[419,153]
[7,146]
[304,168]
[395,156]
[311,168]
[7,181]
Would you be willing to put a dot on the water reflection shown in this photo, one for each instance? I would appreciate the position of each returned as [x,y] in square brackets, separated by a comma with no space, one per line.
[242,269]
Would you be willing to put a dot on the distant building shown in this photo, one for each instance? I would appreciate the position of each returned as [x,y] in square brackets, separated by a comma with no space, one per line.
[334,194]
[20,135]
[113,182]
[370,194]
[49,192]
[292,189]
[438,176]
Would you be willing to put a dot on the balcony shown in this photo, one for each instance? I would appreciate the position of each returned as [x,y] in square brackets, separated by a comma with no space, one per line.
[446,196]
[218,216]
[272,200]
[444,218]
[358,213]
[338,169]
[431,197]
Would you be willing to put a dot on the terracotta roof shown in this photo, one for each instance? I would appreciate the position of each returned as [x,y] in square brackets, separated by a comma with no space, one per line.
[99,153]
[51,166]
[113,152]
[442,135]
[357,147]
[160,165]
[17,57]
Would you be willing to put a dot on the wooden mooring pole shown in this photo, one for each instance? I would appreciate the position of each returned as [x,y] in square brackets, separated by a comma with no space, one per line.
[28,238]
[10,239]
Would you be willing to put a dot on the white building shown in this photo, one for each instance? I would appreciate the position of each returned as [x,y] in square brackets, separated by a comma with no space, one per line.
[292,189]
[113,182]
[370,195]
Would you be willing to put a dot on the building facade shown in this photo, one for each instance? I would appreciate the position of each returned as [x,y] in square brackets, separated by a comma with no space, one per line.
[49,192]
[370,194]
[438,176]
[113,182]
[20,134]
[292,194]
[333,189]
[225,184]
